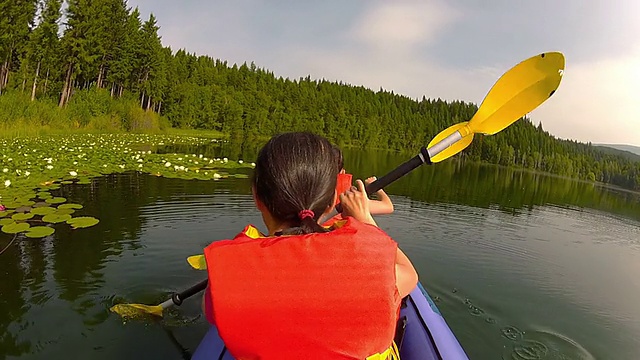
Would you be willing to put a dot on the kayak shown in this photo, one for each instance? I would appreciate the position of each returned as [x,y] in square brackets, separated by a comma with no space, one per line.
[423,334]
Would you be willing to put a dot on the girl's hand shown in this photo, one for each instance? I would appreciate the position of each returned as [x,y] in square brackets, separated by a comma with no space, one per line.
[355,203]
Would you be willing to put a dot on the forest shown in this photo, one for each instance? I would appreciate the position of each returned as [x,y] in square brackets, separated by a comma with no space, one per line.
[96,64]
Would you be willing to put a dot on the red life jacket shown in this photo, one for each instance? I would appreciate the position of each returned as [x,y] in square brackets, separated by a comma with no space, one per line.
[315,296]
[343,184]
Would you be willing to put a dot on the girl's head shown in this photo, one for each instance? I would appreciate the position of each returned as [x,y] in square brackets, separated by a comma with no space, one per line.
[295,179]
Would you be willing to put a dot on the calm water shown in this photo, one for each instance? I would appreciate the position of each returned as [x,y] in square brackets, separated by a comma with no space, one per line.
[522,265]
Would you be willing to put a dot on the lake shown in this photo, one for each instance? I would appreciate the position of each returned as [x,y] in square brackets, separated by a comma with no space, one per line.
[522,265]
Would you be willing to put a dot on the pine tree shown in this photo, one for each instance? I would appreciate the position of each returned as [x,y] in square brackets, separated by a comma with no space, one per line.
[43,43]
[16,22]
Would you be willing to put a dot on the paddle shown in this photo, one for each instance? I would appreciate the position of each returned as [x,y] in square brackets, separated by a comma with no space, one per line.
[133,310]
[518,91]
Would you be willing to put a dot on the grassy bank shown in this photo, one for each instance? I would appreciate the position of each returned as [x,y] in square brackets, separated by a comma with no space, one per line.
[87,112]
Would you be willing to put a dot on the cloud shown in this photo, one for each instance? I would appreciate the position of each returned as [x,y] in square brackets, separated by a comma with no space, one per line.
[398,24]
[597,101]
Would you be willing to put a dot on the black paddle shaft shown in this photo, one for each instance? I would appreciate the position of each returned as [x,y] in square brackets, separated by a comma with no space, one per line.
[422,158]
[177,298]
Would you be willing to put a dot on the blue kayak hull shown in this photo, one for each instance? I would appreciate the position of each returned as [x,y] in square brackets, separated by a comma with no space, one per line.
[426,336]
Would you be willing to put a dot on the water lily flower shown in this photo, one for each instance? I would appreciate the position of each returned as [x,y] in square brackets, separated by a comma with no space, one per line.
[253,164]
[49,167]
[5,170]
[225,160]
[75,163]
[216,176]
[167,164]
[7,183]
[27,173]
[240,161]
[2,208]
[73,173]
[200,156]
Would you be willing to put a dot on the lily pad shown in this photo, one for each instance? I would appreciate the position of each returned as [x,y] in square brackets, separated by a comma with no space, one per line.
[56,200]
[40,204]
[66,182]
[15,228]
[82,222]
[6,221]
[70,206]
[56,218]
[23,209]
[25,201]
[6,213]
[22,216]
[60,211]
[37,232]
[43,211]
[44,195]
[12,205]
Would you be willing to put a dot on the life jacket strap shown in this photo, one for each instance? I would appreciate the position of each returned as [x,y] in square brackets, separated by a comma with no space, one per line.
[392,353]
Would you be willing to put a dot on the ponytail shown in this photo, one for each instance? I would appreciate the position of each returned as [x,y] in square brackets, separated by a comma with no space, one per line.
[308,225]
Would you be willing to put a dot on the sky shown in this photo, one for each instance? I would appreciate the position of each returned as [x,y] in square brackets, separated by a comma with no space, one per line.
[453,50]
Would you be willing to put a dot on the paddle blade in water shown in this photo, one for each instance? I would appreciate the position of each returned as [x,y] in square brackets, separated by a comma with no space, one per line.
[197,262]
[136,310]
[518,92]
[455,147]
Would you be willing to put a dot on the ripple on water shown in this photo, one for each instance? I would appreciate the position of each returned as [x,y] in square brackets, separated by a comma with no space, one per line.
[543,345]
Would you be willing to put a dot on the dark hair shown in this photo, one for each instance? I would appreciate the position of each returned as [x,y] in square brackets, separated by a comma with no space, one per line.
[296,171]
[337,153]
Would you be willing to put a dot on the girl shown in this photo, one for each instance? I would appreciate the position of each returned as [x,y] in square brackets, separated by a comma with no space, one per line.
[305,291]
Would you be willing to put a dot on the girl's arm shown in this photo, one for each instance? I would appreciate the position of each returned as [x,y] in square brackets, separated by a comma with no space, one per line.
[406,275]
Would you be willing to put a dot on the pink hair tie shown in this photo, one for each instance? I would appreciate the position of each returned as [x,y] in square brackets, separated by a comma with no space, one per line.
[305,214]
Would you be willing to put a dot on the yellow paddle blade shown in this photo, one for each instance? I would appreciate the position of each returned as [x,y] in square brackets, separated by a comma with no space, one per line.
[518,92]
[136,310]
[197,262]
[458,146]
